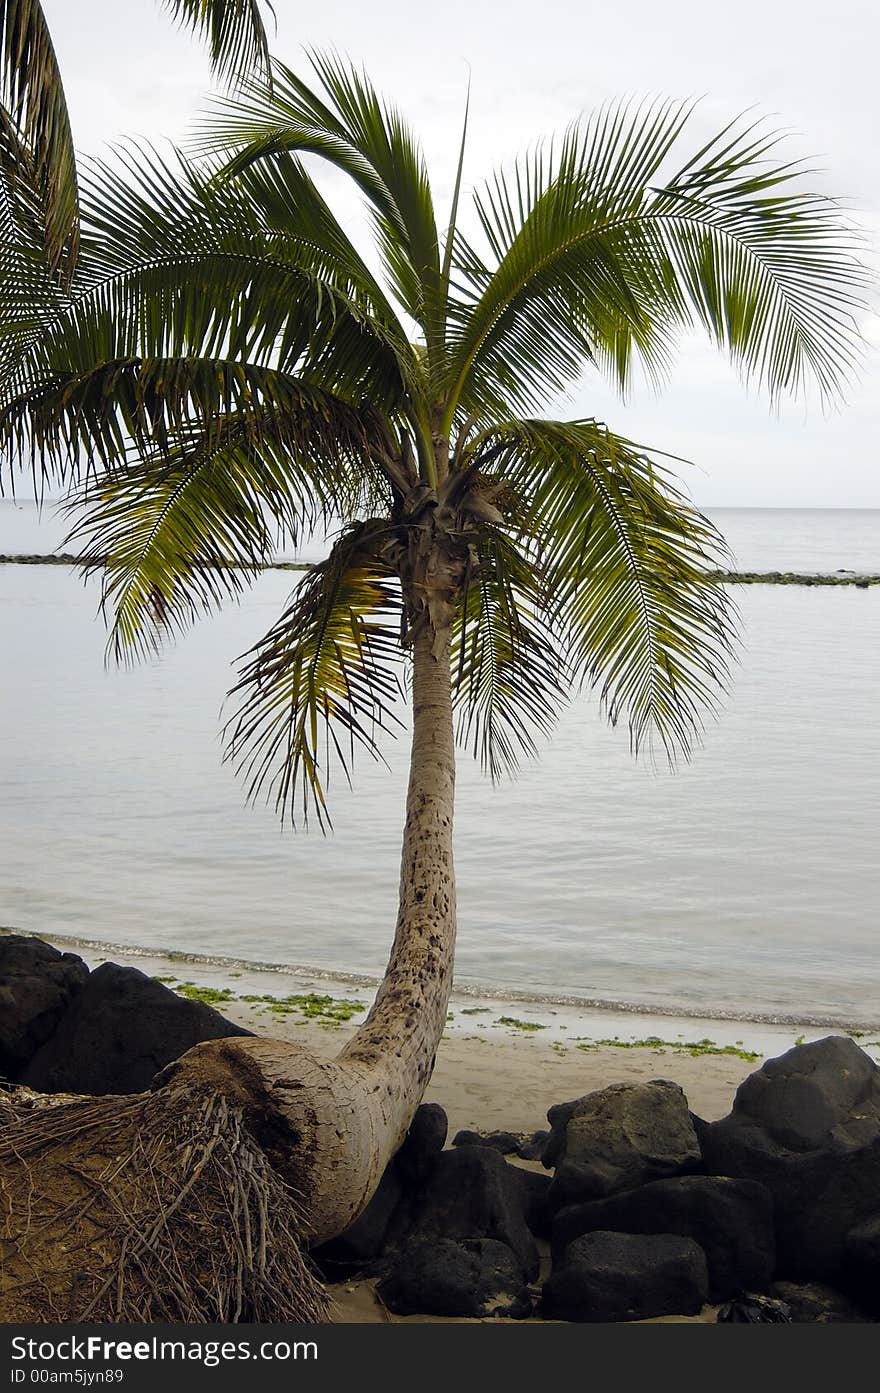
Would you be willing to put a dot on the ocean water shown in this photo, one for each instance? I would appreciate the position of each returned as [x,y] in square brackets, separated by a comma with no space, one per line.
[747,883]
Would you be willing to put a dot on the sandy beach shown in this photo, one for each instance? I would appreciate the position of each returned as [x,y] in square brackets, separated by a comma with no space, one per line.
[502,1061]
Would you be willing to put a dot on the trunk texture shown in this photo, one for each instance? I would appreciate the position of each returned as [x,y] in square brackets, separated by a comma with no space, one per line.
[347,1116]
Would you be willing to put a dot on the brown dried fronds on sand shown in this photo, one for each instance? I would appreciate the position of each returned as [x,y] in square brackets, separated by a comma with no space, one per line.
[154,1207]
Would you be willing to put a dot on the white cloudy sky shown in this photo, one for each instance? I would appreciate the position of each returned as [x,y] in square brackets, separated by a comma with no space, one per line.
[535,64]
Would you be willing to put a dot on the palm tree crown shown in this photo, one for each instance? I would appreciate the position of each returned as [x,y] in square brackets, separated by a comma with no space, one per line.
[224,366]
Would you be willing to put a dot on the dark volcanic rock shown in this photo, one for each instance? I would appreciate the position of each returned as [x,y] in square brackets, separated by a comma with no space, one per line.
[37,986]
[558,1116]
[818,1202]
[533,1149]
[699,1125]
[535,1189]
[814,1303]
[861,1263]
[807,1125]
[472,1192]
[121,1029]
[423,1143]
[505,1143]
[732,1220]
[365,1238]
[467,1138]
[439,1277]
[814,1097]
[621,1276]
[620,1137]
[754,1310]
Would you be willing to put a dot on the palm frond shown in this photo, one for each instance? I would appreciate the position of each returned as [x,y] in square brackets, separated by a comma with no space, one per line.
[233,31]
[626,564]
[29,288]
[348,125]
[507,669]
[179,280]
[177,532]
[597,256]
[32,93]
[323,680]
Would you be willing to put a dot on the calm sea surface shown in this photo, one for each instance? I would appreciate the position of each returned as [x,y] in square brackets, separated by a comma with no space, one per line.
[748,883]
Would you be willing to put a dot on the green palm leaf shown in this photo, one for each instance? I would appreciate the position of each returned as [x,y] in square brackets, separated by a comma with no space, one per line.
[186,302]
[32,94]
[174,534]
[626,565]
[507,669]
[598,255]
[348,125]
[233,31]
[33,100]
[322,680]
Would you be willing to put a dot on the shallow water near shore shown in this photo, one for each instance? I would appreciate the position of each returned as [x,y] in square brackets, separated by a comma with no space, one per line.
[254,995]
[745,885]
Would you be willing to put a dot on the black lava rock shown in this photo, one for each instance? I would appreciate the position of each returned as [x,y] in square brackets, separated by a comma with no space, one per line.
[620,1137]
[471,1193]
[424,1141]
[121,1029]
[505,1143]
[440,1277]
[37,986]
[732,1220]
[807,1125]
[815,1303]
[620,1276]
[533,1149]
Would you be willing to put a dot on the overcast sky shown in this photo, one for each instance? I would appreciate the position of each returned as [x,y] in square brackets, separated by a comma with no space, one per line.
[534,65]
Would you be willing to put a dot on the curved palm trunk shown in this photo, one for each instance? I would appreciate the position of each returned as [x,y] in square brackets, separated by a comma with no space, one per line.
[397,1044]
[348,1116]
[230,1122]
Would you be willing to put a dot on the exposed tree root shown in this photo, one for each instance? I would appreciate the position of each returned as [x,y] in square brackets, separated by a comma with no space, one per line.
[158,1207]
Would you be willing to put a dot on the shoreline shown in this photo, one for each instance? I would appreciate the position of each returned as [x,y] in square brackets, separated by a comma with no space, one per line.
[862,580]
[541,1005]
[501,1064]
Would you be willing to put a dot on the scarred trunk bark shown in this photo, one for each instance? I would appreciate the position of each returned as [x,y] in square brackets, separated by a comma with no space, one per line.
[397,1044]
[345,1118]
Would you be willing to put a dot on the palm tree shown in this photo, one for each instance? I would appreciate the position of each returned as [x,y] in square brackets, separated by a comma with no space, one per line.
[226,367]
[36,142]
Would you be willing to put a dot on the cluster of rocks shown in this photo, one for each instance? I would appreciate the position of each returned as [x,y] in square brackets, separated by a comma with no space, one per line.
[628,1207]
[68,1030]
[642,1208]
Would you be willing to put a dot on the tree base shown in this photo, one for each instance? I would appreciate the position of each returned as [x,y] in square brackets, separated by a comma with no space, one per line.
[157,1207]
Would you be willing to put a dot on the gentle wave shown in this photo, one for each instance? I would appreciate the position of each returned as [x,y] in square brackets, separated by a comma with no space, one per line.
[475,990]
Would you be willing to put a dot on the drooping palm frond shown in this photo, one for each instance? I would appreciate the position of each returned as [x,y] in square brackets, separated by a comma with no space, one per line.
[508,672]
[32,94]
[347,124]
[322,680]
[596,254]
[233,31]
[32,97]
[626,567]
[29,287]
[186,302]
[176,532]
